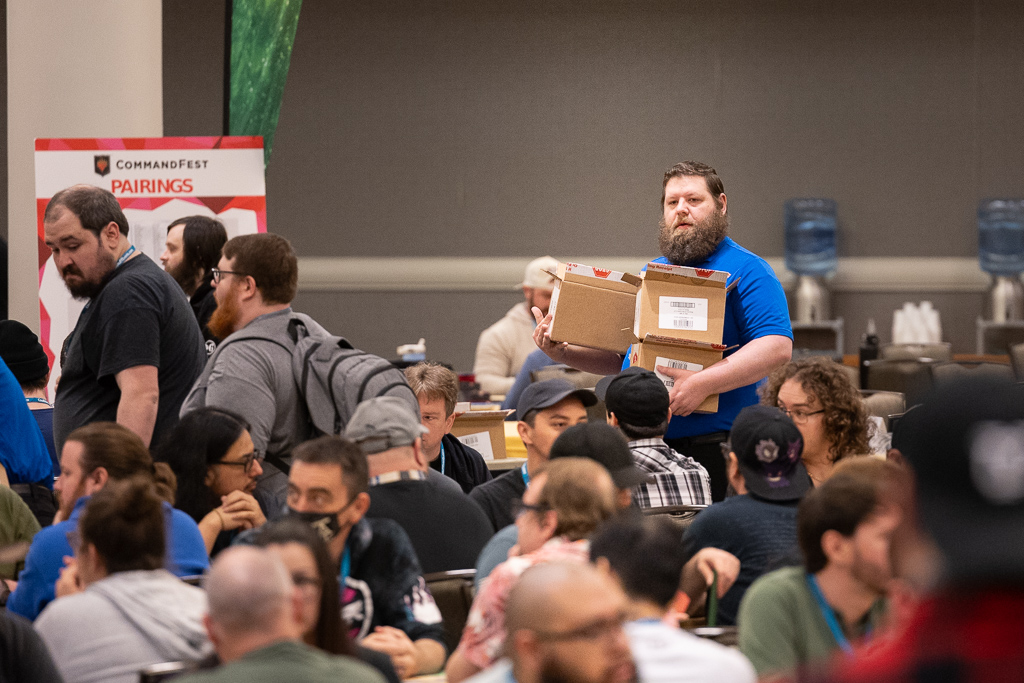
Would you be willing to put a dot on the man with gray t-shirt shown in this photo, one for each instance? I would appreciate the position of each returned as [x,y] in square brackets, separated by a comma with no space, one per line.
[250,373]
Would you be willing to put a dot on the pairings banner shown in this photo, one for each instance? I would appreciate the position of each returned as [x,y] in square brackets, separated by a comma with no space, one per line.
[156,181]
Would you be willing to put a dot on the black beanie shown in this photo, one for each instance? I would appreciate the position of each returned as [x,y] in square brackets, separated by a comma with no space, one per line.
[22,352]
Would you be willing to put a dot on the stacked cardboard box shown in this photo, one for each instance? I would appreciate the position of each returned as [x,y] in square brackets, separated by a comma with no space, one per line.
[482,428]
[678,321]
[593,307]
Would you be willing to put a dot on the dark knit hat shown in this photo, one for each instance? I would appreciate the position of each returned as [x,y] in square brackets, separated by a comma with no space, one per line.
[22,352]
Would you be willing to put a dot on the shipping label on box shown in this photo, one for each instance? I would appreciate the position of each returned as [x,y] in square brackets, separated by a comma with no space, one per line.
[482,430]
[593,307]
[657,350]
[681,302]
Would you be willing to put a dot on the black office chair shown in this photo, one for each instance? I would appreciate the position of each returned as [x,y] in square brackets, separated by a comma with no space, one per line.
[453,592]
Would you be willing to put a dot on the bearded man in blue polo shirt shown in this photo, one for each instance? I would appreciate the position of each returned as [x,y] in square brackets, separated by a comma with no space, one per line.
[693,232]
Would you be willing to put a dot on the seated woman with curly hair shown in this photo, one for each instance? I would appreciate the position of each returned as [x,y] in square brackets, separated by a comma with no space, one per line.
[827,409]
[211,453]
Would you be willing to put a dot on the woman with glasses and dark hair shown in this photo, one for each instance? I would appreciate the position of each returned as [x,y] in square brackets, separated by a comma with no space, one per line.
[211,452]
[305,555]
[827,409]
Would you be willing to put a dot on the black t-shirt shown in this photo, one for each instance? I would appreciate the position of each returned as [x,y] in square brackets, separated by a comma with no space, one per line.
[497,496]
[23,654]
[461,463]
[447,529]
[141,317]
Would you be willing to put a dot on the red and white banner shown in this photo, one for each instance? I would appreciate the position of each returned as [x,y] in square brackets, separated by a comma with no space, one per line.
[156,181]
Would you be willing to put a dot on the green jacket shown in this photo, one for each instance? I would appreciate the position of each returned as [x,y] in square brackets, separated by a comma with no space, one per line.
[288,660]
[781,626]
[17,524]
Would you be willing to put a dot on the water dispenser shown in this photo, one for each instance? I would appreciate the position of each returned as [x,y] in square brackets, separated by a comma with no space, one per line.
[811,253]
[1001,253]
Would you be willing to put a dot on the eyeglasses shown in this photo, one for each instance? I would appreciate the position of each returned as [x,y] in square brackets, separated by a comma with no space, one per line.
[519,507]
[303,581]
[800,416]
[245,463]
[601,629]
[217,274]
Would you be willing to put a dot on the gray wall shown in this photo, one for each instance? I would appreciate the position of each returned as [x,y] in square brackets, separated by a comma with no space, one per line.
[487,128]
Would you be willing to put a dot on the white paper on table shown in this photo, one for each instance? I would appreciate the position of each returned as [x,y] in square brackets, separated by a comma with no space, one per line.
[480,442]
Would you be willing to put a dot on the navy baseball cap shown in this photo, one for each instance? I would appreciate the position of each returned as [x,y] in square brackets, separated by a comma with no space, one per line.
[541,395]
[768,447]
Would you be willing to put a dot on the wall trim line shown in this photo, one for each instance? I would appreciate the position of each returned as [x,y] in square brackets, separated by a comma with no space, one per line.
[493,274]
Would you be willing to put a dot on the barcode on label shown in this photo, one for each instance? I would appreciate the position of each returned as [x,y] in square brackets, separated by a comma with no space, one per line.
[682,313]
[682,323]
[682,304]
[675,364]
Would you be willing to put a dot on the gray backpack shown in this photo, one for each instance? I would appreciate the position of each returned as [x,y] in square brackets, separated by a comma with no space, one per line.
[334,378]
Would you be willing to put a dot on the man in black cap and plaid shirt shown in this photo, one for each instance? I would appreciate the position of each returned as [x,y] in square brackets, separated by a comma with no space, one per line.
[638,404]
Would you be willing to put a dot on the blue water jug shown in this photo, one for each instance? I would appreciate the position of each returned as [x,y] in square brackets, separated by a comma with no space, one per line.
[811,236]
[1001,236]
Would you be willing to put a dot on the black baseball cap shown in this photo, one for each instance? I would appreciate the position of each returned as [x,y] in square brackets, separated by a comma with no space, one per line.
[768,447]
[541,395]
[965,443]
[602,443]
[636,396]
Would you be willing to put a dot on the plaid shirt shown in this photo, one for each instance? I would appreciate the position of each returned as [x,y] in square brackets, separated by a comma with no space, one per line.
[963,636]
[677,479]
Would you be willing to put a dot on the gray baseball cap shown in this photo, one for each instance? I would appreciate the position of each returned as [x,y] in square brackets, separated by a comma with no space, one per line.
[384,423]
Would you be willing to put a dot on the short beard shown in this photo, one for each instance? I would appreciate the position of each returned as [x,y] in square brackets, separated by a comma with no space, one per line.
[694,244]
[222,322]
[553,671]
[68,506]
[87,289]
[187,276]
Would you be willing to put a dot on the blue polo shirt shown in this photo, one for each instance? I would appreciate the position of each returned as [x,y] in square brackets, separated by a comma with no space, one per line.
[755,308]
[186,556]
[23,451]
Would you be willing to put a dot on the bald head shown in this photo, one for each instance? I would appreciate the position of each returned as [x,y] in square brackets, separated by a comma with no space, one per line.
[564,622]
[249,590]
[547,591]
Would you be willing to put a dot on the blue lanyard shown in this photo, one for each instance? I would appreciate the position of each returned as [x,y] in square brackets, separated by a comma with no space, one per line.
[33,399]
[830,615]
[526,475]
[346,562]
[442,457]
[125,256]
[120,262]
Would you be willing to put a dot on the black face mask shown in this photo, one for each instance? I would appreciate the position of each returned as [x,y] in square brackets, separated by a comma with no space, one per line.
[324,523]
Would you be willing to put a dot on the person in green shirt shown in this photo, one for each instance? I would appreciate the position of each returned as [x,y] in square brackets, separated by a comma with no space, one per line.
[17,525]
[801,616]
[255,624]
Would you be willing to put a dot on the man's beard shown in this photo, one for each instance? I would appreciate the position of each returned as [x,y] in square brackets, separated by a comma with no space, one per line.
[876,578]
[222,322]
[88,289]
[186,274]
[67,506]
[553,671]
[691,245]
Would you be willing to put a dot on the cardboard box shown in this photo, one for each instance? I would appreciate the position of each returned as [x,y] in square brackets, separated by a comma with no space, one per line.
[593,307]
[682,303]
[655,350]
[483,430]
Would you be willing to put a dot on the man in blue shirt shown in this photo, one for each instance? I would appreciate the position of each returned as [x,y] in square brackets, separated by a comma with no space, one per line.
[693,230]
[92,456]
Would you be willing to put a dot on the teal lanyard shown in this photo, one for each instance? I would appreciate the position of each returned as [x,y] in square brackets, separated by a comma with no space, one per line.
[33,399]
[346,562]
[526,475]
[830,615]
[442,458]
[120,262]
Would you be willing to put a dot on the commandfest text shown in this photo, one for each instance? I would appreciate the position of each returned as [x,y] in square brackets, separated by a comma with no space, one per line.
[155,185]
